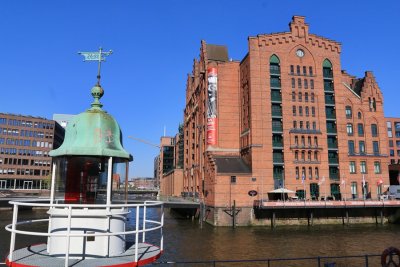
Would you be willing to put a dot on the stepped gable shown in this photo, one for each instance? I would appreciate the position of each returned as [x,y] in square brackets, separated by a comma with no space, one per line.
[298,30]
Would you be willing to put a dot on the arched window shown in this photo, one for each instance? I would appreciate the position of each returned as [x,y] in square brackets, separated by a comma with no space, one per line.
[297,173]
[327,69]
[313,111]
[294,124]
[298,69]
[316,173]
[302,140]
[310,173]
[315,141]
[359,115]
[299,83]
[293,96]
[291,69]
[300,97]
[296,155]
[374,130]
[305,84]
[307,111]
[293,83]
[309,155]
[300,111]
[348,112]
[296,140]
[303,155]
[306,97]
[312,97]
[294,110]
[349,128]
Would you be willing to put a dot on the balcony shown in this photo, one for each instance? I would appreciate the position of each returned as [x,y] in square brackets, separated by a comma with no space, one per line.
[333,161]
[277,129]
[274,70]
[333,176]
[276,97]
[327,73]
[277,144]
[328,87]
[277,113]
[331,130]
[332,145]
[329,100]
[278,176]
[275,82]
[277,159]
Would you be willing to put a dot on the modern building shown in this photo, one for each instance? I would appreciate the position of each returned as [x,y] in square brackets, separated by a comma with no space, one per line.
[63,119]
[285,116]
[25,142]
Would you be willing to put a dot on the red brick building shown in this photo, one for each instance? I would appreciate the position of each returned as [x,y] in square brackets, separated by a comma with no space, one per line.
[393,133]
[286,115]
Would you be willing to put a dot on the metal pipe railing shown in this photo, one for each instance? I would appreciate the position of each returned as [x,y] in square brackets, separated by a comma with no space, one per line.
[158,224]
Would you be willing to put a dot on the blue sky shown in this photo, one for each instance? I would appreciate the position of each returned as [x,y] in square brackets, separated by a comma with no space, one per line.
[154,44]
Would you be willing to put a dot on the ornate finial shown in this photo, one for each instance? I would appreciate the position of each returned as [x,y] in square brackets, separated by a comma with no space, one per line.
[97,93]
[96,56]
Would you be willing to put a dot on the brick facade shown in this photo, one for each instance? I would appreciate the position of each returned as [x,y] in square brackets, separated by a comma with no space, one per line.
[287,116]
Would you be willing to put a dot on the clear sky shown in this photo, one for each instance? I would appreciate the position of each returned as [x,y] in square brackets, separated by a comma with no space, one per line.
[154,44]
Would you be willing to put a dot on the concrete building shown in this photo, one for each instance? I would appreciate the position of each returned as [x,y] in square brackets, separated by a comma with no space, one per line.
[25,142]
[285,116]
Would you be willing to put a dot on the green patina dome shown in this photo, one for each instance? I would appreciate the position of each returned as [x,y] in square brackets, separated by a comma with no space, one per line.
[93,133]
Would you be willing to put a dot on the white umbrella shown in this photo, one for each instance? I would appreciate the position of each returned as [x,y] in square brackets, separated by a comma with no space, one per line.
[281,190]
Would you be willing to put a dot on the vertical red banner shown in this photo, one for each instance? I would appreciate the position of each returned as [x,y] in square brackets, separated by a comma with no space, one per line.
[212,106]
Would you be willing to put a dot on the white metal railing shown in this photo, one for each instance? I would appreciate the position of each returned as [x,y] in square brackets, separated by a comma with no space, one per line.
[157,224]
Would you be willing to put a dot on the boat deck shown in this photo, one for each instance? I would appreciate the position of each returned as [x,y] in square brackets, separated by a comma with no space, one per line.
[36,255]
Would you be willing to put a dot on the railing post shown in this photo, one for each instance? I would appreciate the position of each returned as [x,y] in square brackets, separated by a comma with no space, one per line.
[137,233]
[144,223]
[68,235]
[14,222]
[162,225]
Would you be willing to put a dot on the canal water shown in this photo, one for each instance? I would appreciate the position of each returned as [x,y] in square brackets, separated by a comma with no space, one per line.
[184,240]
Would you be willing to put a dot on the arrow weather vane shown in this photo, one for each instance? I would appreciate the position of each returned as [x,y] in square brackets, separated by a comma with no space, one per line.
[96,56]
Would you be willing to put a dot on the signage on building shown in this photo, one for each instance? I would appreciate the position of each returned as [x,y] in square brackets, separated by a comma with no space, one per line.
[212,106]
[252,193]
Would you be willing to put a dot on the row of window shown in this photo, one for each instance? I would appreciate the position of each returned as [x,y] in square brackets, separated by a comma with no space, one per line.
[303,141]
[19,161]
[302,83]
[23,152]
[299,68]
[306,111]
[32,172]
[23,123]
[307,125]
[360,129]
[26,133]
[22,142]
[310,155]
[389,129]
[361,147]
[300,97]
[310,174]
[363,167]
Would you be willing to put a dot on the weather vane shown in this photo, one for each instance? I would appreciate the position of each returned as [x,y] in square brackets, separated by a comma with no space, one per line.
[96,56]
